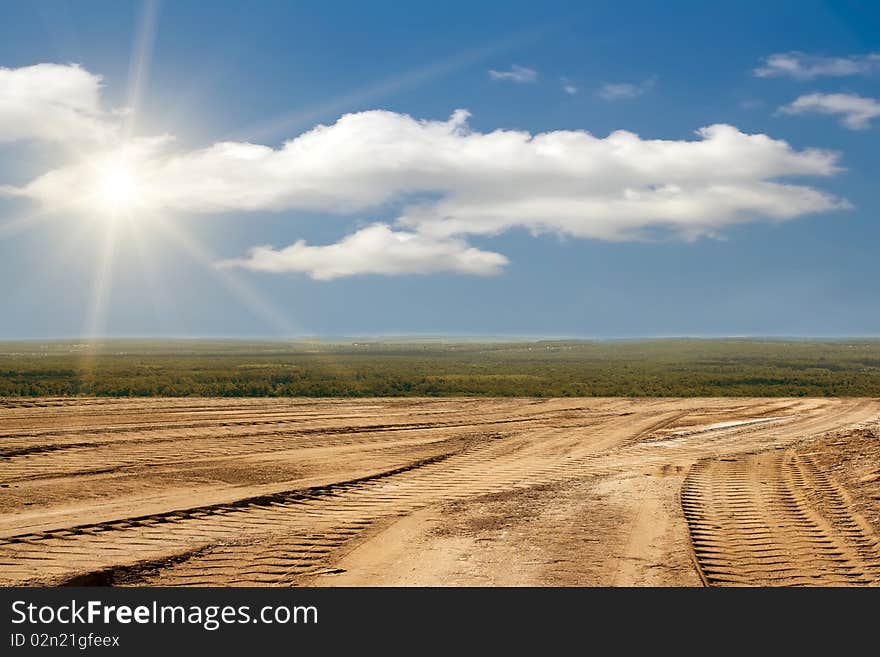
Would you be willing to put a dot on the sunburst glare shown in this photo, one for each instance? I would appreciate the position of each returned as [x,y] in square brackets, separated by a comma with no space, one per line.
[118,192]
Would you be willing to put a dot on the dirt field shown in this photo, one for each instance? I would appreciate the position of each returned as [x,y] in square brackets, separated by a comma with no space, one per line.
[293,492]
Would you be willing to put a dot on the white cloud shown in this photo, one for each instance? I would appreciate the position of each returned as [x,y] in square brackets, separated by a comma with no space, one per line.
[801,66]
[855,111]
[568,86]
[376,249]
[437,182]
[622,90]
[518,74]
[567,181]
[52,102]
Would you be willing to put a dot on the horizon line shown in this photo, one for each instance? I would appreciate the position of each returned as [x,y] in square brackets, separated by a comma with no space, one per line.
[488,337]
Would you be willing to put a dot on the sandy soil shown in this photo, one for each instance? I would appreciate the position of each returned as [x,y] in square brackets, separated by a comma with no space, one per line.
[559,492]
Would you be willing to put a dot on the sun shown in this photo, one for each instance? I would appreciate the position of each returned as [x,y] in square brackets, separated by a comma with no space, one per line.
[118,191]
[114,185]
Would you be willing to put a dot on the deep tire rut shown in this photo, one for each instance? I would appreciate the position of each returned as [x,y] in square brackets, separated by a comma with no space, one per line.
[786,524]
[274,539]
[773,519]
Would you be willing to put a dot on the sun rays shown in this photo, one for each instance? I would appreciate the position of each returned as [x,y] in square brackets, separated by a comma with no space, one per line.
[141,58]
[109,203]
[108,213]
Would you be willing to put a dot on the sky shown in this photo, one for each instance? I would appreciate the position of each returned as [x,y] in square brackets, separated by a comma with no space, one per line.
[554,169]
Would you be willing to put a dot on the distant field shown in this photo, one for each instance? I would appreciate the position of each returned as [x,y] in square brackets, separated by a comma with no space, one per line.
[659,368]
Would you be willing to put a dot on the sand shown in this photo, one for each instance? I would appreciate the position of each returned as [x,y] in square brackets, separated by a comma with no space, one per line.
[440,492]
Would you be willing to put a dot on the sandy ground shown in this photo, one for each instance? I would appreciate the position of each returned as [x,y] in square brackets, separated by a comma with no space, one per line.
[412,492]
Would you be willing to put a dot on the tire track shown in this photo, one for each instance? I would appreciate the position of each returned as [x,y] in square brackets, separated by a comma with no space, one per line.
[772,519]
[55,555]
[293,496]
[333,528]
[47,461]
[325,512]
[286,537]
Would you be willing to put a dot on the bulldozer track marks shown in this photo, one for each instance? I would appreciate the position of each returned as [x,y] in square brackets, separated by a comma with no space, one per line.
[279,499]
[254,539]
[765,516]
[772,518]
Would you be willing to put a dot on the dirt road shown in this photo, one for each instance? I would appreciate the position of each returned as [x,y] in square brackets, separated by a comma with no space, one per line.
[610,492]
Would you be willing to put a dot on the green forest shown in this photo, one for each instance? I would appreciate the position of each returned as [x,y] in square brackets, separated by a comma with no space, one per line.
[380,368]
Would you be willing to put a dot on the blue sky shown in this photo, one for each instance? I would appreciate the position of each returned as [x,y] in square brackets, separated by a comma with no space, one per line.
[509,221]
